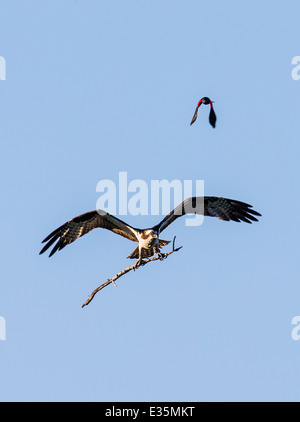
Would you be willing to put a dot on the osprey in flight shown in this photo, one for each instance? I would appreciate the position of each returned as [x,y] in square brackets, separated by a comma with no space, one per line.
[212,114]
[148,239]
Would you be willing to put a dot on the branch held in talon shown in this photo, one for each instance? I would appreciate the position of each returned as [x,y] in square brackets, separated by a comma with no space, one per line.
[126,270]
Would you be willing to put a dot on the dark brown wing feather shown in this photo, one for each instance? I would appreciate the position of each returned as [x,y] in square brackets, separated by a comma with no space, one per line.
[195,116]
[84,223]
[212,117]
[222,208]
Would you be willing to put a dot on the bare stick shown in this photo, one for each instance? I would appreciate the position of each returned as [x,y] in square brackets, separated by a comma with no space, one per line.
[126,270]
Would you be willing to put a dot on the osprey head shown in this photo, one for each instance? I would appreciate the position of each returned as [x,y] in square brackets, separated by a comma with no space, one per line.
[152,237]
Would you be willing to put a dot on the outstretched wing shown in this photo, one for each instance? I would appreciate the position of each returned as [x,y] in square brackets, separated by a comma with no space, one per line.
[84,223]
[212,117]
[195,114]
[222,208]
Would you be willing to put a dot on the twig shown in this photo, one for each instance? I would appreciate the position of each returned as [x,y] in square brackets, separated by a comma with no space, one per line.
[126,270]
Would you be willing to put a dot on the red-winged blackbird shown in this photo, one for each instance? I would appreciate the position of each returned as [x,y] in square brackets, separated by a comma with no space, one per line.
[212,114]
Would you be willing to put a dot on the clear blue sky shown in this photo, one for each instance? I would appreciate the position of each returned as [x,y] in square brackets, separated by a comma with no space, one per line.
[94,88]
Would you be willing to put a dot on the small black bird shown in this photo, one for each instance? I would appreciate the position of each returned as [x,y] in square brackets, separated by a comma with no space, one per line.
[212,114]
